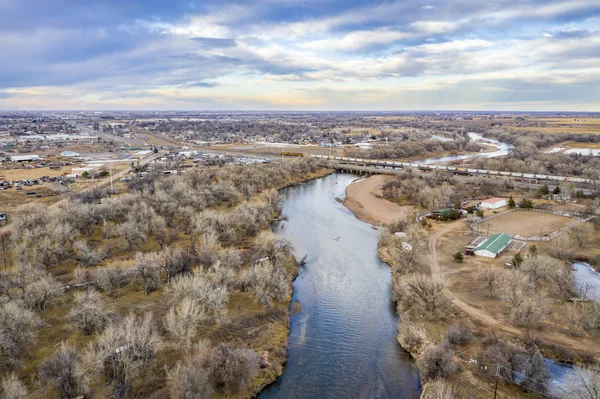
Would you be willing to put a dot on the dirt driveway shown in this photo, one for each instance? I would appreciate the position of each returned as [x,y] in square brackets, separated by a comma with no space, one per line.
[437,273]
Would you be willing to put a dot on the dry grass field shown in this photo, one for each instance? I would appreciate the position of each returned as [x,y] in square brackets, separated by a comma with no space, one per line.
[526,224]
[35,173]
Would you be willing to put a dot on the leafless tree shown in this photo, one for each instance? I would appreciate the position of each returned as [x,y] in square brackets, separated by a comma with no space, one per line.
[204,289]
[110,279]
[581,232]
[440,389]
[459,333]
[581,383]
[232,369]
[63,372]
[89,313]
[41,293]
[425,293]
[13,388]
[18,331]
[436,362]
[175,261]
[491,277]
[123,349]
[266,281]
[147,266]
[85,255]
[537,376]
[132,233]
[190,379]
[181,321]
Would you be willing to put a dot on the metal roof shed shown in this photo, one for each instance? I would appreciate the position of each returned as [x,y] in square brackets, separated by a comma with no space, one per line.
[491,247]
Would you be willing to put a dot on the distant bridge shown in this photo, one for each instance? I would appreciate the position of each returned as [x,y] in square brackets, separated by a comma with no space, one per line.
[371,166]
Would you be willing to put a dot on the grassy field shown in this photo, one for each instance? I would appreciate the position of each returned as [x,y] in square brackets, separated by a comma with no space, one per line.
[527,224]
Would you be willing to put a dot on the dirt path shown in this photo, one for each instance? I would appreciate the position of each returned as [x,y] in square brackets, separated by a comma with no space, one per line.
[438,275]
[362,199]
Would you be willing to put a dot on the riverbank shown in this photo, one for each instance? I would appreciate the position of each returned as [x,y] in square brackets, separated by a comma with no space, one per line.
[363,199]
[330,331]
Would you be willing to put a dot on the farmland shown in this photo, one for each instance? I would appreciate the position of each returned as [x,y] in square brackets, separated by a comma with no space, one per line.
[527,223]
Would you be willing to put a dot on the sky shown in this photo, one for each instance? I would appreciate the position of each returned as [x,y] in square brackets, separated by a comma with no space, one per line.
[528,55]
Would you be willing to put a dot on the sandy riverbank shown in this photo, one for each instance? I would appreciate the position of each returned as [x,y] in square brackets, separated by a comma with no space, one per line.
[362,198]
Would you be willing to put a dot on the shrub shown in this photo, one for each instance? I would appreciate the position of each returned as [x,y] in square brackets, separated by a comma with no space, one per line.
[459,257]
[459,334]
[436,362]
[233,369]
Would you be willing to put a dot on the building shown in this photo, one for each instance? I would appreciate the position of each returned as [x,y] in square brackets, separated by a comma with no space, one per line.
[493,246]
[493,203]
[25,158]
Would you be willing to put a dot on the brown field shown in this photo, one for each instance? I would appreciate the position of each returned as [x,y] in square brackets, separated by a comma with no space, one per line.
[526,224]
[35,173]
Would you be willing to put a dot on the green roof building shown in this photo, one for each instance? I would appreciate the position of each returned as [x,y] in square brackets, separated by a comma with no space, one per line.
[492,247]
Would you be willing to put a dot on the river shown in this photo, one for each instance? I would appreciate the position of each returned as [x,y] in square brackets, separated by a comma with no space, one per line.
[502,149]
[342,343]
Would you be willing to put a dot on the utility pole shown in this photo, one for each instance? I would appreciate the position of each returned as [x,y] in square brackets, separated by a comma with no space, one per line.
[497,374]
[112,191]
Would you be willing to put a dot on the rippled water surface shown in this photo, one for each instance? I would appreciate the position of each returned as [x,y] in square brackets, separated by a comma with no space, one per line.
[343,342]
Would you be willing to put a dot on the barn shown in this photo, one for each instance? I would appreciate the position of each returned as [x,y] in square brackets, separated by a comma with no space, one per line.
[493,203]
[492,247]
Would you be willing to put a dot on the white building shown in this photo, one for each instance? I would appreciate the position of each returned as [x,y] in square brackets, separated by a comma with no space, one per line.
[25,158]
[493,203]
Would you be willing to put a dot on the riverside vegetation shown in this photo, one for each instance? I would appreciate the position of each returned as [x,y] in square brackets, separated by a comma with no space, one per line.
[175,288]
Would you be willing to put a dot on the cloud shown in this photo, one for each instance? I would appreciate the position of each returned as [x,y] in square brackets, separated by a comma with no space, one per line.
[352,54]
[211,42]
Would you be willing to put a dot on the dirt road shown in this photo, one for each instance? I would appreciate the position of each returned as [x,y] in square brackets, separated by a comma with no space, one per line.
[489,320]
[100,183]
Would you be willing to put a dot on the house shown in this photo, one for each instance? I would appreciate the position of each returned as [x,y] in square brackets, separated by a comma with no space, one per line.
[493,203]
[493,246]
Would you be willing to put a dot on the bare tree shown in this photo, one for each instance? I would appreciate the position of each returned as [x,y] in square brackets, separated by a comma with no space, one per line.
[123,349]
[41,293]
[581,232]
[425,293]
[233,369]
[440,389]
[581,383]
[266,281]
[85,255]
[89,313]
[12,387]
[63,372]
[190,379]
[110,279]
[175,262]
[181,321]
[436,362]
[203,289]
[147,267]
[459,333]
[132,233]
[18,331]
[491,277]
[537,376]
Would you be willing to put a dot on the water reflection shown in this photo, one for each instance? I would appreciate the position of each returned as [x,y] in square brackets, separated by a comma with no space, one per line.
[343,342]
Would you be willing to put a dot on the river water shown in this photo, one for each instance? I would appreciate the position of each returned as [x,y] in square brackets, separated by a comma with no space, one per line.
[343,341]
[502,149]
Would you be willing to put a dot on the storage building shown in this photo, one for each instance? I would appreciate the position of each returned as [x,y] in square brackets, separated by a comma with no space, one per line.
[493,246]
[493,203]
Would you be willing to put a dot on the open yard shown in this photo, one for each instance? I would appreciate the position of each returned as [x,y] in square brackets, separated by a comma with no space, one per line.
[526,223]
